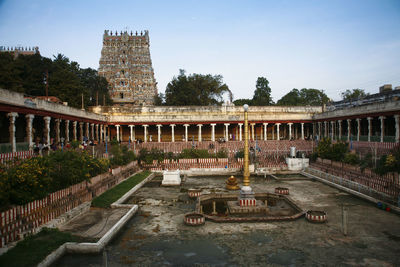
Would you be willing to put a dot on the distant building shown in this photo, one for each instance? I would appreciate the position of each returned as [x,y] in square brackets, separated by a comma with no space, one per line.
[385,88]
[125,63]
[16,51]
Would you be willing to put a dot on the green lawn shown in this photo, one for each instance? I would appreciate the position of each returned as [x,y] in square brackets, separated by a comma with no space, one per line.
[33,249]
[112,195]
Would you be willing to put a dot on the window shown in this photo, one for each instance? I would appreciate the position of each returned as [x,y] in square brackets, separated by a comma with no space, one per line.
[121,95]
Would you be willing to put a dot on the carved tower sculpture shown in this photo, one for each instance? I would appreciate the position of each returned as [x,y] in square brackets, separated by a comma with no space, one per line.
[125,63]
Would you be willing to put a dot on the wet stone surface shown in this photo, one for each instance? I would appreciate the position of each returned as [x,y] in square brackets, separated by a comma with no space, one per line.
[157,236]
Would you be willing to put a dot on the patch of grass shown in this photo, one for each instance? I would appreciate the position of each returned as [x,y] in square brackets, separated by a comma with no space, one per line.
[113,194]
[33,249]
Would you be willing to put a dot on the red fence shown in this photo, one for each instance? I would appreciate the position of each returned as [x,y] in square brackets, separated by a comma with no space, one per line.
[18,221]
[5,158]
[388,184]
[375,148]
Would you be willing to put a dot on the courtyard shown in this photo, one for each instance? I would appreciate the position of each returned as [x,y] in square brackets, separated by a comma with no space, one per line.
[157,236]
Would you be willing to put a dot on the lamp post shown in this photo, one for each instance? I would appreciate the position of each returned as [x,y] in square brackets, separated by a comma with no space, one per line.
[246,173]
[246,197]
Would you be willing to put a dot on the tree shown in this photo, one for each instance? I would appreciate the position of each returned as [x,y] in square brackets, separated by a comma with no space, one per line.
[242,101]
[304,97]
[195,90]
[262,94]
[96,87]
[159,99]
[66,80]
[291,99]
[353,94]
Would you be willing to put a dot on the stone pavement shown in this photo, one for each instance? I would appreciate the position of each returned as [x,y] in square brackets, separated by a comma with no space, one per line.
[156,236]
[95,222]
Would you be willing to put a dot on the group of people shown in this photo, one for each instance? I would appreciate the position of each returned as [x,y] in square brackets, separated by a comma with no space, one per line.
[42,147]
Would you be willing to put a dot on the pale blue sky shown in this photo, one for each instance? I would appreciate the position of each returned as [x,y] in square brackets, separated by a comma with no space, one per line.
[331,45]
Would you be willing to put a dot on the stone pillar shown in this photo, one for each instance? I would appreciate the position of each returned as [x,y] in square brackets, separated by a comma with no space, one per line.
[348,129]
[11,117]
[87,130]
[265,131]
[382,118]
[340,129]
[131,133]
[302,131]
[240,131]
[252,131]
[172,132]
[47,129]
[159,132]
[358,128]
[145,132]
[29,121]
[277,131]
[369,128]
[91,131]
[290,130]
[397,127]
[74,130]
[199,125]
[66,131]
[213,131]
[186,131]
[57,130]
[319,130]
[97,132]
[332,130]
[226,131]
[117,126]
[325,129]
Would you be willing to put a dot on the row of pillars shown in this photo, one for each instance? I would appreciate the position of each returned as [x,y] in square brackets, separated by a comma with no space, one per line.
[159,126]
[358,120]
[97,132]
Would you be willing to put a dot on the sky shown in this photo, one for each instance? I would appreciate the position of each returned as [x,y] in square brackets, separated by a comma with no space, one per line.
[329,45]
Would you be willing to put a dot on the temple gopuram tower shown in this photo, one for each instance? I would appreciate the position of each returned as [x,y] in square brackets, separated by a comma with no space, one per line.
[125,63]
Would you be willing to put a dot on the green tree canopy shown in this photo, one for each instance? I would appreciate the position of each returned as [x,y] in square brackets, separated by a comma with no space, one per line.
[195,90]
[262,94]
[242,101]
[304,97]
[353,94]
[66,80]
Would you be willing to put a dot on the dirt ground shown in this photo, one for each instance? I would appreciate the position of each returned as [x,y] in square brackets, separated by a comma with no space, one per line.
[157,236]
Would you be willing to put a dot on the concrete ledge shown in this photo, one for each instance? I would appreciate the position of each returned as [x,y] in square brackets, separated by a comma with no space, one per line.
[88,247]
[97,247]
[118,203]
[351,191]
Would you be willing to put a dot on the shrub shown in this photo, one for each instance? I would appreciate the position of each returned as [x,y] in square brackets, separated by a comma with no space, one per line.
[121,155]
[338,151]
[351,158]
[222,153]
[148,156]
[29,181]
[35,178]
[323,148]
[239,154]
